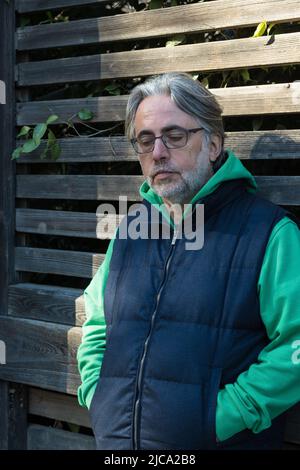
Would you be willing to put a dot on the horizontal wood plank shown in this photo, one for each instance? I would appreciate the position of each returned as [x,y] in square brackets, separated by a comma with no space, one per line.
[279,189]
[183,19]
[25,6]
[283,190]
[63,262]
[260,145]
[67,223]
[80,187]
[86,149]
[204,57]
[46,303]
[50,438]
[282,98]
[41,354]
[57,406]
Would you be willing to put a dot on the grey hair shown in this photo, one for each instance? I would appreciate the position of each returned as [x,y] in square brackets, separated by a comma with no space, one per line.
[189,95]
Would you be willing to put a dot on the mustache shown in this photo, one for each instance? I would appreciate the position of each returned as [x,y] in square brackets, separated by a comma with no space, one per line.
[162,169]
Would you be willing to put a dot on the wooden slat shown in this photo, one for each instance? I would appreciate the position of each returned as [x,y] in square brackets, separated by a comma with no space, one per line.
[25,6]
[47,303]
[282,98]
[80,187]
[48,438]
[67,223]
[204,57]
[13,397]
[41,354]
[63,262]
[198,17]
[283,190]
[279,189]
[57,406]
[84,149]
[260,145]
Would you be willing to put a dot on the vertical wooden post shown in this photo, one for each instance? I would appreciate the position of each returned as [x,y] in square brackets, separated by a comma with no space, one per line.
[13,397]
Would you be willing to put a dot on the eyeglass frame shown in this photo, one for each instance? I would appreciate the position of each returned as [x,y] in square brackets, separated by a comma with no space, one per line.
[134,140]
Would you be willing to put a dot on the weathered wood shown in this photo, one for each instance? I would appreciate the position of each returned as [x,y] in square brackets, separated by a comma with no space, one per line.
[187,19]
[204,57]
[41,354]
[64,262]
[85,149]
[283,190]
[67,223]
[57,406]
[279,189]
[13,397]
[47,303]
[47,438]
[25,6]
[80,187]
[260,145]
[281,98]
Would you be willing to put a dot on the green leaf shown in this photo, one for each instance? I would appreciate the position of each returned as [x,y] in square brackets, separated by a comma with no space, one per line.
[85,114]
[55,151]
[176,40]
[113,89]
[245,75]
[154,4]
[271,26]
[51,119]
[205,82]
[39,132]
[261,28]
[24,131]
[30,146]
[16,153]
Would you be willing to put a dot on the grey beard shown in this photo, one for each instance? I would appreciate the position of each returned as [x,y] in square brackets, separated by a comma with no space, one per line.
[184,190]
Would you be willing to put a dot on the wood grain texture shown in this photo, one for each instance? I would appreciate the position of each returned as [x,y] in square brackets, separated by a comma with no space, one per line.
[67,223]
[48,438]
[279,189]
[183,19]
[79,187]
[281,98]
[204,57]
[57,406]
[47,303]
[260,145]
[41,354]
[63,262]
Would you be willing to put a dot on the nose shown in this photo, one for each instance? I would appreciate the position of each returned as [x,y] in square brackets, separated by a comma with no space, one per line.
[160,150]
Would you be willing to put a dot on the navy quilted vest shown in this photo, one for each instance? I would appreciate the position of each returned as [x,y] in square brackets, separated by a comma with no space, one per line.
[180,325]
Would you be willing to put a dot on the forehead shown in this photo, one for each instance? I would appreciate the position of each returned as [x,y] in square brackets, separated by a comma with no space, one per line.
[157,112]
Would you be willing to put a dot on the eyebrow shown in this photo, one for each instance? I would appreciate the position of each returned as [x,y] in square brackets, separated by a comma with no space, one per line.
[164,129]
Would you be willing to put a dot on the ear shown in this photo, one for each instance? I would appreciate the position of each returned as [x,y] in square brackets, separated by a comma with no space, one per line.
[215,147]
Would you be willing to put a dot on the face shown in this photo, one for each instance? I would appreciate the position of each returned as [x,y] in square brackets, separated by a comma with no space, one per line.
[175,174]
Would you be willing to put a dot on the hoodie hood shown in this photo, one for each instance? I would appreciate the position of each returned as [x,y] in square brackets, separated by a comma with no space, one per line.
[231,169]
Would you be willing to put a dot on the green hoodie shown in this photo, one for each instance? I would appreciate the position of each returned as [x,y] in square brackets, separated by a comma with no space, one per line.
[271,385]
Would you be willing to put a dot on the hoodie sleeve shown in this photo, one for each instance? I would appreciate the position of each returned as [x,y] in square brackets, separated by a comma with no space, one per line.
[271,385]
[91,350]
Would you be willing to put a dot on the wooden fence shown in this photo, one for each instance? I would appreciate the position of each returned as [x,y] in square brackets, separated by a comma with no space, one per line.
[41,323]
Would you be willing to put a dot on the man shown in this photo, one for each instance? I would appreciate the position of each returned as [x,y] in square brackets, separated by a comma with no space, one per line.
[196,349]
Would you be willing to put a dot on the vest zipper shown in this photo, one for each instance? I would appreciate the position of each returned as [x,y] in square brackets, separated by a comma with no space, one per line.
[142,362]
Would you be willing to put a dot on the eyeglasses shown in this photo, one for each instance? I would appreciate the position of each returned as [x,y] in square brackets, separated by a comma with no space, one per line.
[174,138]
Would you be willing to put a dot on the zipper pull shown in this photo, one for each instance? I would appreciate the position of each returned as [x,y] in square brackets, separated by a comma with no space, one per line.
[175,235]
